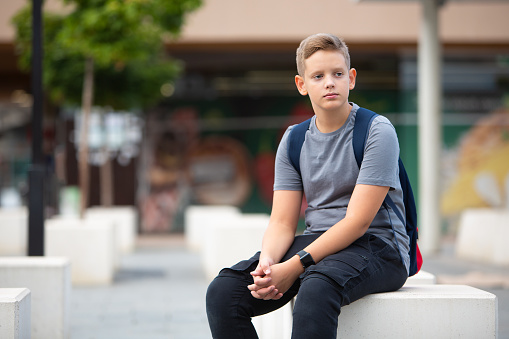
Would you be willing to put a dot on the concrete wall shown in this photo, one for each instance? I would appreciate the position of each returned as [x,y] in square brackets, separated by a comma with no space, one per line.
[291,20]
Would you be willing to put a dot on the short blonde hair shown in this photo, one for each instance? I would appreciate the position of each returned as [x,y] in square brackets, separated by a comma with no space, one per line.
[317,42]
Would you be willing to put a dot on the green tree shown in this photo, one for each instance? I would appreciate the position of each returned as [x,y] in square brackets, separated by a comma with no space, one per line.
[105,52]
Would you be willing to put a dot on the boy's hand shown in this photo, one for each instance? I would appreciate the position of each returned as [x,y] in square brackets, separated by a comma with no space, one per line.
[262,287]
[278,281]
[263,267]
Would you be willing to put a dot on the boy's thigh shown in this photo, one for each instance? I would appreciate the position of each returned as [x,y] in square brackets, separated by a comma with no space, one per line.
[368,266]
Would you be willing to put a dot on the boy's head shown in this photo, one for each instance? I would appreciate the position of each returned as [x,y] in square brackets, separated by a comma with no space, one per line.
[317,42]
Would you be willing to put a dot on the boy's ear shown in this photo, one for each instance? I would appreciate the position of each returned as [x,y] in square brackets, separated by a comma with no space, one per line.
[299,81]
[352,75]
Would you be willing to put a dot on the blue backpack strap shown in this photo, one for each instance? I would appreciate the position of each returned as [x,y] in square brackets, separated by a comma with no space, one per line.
[296,139]
[363,119]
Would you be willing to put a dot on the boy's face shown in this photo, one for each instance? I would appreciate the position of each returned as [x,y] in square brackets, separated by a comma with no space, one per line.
[327,81]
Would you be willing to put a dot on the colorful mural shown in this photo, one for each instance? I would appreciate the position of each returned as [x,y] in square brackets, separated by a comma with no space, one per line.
[481,177]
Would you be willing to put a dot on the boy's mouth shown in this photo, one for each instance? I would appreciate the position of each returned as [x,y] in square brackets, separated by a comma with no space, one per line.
[330,95]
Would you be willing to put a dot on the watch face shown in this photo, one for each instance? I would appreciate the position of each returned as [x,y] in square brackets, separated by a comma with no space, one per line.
[306,259]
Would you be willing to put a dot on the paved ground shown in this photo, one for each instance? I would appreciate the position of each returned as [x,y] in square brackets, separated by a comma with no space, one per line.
[159,292]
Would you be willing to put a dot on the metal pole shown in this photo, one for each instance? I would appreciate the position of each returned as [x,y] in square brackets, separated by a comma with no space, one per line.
[430,124]
[36,172]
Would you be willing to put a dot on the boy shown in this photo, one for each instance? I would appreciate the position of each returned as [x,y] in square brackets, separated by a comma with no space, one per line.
[349,248]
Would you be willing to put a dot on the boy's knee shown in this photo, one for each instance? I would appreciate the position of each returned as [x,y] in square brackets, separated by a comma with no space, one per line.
[224,292]
[217,303]
[318,287]
[216,293]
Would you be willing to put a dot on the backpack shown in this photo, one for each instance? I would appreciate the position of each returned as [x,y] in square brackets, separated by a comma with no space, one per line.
[363,120]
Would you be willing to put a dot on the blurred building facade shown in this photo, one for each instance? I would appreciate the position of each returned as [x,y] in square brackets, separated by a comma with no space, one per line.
[212,139]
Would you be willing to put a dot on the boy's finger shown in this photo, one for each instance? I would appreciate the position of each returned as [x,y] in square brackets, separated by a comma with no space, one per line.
[257,273]
[259,283]
[263,292]
[271,295]
[278,296]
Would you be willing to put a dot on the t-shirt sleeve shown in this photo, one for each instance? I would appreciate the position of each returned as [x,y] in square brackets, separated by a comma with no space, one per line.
[380,163]
[286,176]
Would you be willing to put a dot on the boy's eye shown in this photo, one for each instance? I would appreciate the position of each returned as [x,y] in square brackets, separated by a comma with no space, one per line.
[318,76]
[338,74]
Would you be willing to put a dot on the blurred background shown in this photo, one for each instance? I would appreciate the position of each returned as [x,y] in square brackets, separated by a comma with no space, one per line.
[203,128]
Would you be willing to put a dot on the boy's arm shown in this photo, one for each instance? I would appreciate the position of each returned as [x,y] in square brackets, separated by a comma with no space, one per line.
[282,226]
[362,208]
[277,239]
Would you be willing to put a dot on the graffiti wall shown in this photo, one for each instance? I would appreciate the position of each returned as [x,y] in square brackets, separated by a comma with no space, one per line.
[213,153]
[480,176]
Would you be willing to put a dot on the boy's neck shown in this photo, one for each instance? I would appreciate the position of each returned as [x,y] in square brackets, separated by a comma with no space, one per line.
[330,121]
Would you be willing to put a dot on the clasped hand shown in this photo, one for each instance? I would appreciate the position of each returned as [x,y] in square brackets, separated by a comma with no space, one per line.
[271,280]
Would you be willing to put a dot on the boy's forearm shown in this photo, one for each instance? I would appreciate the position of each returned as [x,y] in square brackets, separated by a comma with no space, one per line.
[276,241]
[337,238]
[364,204]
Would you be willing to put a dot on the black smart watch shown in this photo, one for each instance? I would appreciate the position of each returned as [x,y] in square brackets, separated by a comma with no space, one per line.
[305,259]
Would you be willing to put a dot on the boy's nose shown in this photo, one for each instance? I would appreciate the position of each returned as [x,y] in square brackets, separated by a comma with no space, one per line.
[329,82]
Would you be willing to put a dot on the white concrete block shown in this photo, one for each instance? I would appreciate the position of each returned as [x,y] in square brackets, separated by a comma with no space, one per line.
[421,278]
[482,236]
[274,320]
[425,311]
[49,280]
[126,219]
[275,325]
[234,239]
[97,219]
[14,313]
[199,218]
[13,231]
[89,244]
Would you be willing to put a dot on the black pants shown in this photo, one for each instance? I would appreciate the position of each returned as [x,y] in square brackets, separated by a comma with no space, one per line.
[367,266]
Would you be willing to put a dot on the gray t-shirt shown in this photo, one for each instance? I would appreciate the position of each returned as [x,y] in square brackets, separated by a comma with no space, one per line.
[330,172]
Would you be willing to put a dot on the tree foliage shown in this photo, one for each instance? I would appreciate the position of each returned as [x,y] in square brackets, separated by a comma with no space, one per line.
[125,38]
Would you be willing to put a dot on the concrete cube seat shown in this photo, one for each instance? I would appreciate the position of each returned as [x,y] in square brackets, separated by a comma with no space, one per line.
[199,218]
[14,313]
[482,236]
[234,239]
[49,280]
[125,218]
[422,311]
[13,231]
[415,311]
[89,244]
[421,278]
[276,324]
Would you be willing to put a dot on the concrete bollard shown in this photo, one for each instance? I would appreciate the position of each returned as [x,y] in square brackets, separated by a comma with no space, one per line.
[89,244]
[421,278]
[49,280]
[276,324]
[482,236]
[232,240]
[125,218]
[13,231]
[14,313]
[424,311]
[199,218]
